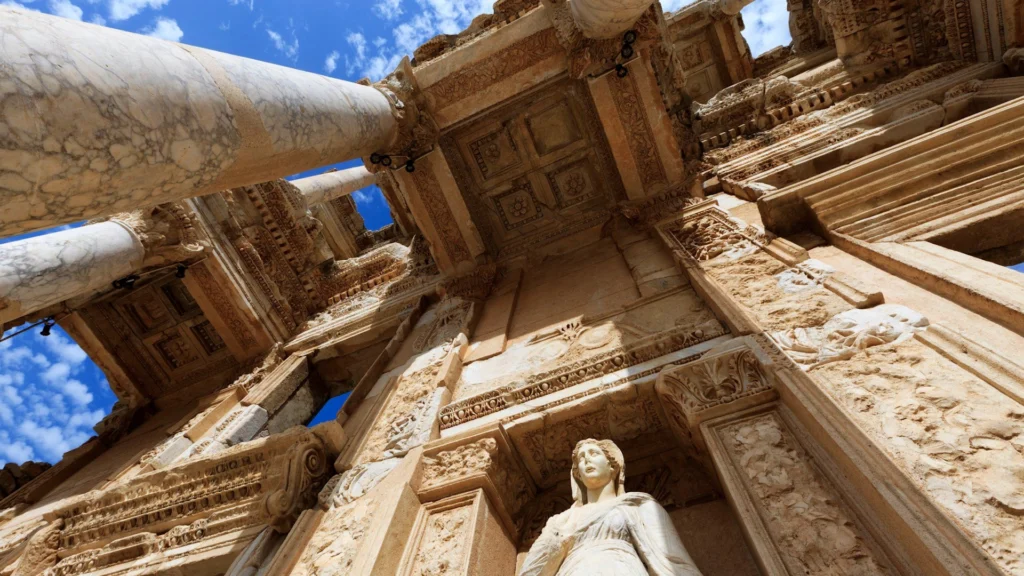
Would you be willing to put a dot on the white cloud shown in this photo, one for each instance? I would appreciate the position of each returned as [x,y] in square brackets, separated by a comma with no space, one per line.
[65,9]
[165,29]
[250,3]
[767,25]
[289,49]
[51,396]
[224,26]
[358,42]
[77,391]
[388,9]
[331,62]
[56,374]
[431,18]
[16,452]
[14,4]
[368,196]
[125,9]
[64,348]
[98,20]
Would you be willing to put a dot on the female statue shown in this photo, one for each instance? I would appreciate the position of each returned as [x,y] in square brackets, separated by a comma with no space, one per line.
[607,531]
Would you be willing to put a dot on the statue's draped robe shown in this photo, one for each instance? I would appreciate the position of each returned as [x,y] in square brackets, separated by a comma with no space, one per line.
[631,535]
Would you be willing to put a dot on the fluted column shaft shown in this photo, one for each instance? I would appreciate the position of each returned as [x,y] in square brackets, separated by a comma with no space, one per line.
[326,187]
[95,121]
[48,269]
[607,18]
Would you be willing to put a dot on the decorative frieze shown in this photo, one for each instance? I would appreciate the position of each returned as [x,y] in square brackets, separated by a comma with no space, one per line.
[514,58]
[265,482]
[709,236]
[542,384]
[848,333]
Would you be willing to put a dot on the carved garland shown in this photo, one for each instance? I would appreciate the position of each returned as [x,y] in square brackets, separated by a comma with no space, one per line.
[632,113]
[440,214]
[224,307]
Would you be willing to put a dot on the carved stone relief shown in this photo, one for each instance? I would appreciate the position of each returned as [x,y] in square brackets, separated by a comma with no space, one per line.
[266,482]
[808,522]
[804,276]
[443,547]
[484,463]
[534,170]
[959,439]
[579,354]
[711,237]
[850,332]
[633,115]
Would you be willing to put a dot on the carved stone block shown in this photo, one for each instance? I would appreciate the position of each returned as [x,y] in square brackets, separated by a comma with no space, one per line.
[485,460]
[458,535]
[788,506]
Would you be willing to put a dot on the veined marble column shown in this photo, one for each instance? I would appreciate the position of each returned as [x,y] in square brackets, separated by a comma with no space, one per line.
[95,121]
[732,7]
[326,187]
[607,18]
[48,269]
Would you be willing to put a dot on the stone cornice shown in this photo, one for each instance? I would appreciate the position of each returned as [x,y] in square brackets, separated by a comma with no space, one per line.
[264,482]
[542,384]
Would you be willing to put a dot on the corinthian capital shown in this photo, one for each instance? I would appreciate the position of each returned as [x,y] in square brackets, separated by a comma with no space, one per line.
[166,232]
[417,131]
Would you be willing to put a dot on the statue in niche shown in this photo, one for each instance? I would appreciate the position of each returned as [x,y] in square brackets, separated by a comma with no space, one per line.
[607,531]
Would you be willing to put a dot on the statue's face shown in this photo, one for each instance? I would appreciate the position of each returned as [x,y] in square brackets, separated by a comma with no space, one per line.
[593,466]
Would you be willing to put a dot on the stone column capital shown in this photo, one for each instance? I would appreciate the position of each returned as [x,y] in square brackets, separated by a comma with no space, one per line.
[417,131]
[166,232]
[592,56]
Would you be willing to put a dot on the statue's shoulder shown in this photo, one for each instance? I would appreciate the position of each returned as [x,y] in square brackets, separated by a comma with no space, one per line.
[638,498]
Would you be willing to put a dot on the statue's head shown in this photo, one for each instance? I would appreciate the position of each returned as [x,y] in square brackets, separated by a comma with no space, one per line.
[595,463]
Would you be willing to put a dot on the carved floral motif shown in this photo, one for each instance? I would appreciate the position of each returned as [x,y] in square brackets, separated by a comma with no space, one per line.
[479,457]
[810,525]
[710,382]
[633,115]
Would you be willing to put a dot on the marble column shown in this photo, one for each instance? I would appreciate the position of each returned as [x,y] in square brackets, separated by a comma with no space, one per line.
[732,7]
[326,187]
[607,18]
[95,121]
[48,269]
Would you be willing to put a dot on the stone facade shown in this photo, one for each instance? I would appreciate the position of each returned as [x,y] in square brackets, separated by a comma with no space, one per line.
[777,284]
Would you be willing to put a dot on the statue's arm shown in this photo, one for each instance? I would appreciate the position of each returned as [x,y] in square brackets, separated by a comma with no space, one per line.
[547,553]
[658,543]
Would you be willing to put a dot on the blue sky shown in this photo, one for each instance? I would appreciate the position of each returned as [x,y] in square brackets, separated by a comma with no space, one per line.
[51,394]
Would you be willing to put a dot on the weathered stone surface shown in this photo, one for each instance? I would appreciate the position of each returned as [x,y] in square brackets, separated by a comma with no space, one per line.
[813,370]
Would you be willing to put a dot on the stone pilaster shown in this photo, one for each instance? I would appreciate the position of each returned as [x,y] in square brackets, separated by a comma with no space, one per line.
[124,121]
